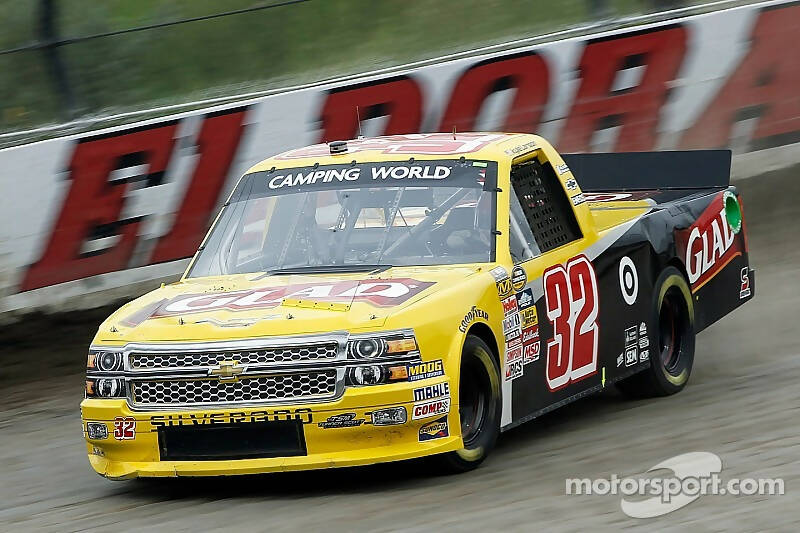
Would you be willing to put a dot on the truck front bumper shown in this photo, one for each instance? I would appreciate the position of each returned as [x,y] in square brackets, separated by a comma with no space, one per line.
[336,434]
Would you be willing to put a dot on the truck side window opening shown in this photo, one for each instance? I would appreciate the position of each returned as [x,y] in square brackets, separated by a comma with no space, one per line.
[544,204]
[521,243]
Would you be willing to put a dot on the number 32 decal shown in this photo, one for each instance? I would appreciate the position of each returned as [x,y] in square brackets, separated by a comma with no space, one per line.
[571,302]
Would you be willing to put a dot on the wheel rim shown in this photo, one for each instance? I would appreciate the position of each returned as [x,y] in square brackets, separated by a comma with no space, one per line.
[474,394]
[672,325]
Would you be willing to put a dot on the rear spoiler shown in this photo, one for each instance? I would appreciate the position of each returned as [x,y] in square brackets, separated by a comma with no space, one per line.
[695,169]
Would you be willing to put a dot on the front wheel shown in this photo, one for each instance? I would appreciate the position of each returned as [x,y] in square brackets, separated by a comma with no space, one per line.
[670,366]
[479,407]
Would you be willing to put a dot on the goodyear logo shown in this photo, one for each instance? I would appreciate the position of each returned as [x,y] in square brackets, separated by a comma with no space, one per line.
[434,430]
[429,369]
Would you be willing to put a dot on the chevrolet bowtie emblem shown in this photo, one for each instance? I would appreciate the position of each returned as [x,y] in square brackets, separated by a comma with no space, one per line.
[227,371]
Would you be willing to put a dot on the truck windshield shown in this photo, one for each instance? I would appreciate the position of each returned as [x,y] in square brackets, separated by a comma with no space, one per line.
[357,216]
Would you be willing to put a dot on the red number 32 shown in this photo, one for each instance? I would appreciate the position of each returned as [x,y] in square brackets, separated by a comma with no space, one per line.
[571,301]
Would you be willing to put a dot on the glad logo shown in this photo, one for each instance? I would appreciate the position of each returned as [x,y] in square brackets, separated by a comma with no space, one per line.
[707,245]
[386,292]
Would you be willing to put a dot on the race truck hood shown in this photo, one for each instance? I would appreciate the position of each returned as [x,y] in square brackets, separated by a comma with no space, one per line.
[256,305]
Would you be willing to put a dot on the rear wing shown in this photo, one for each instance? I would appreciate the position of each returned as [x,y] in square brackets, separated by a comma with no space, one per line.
[695,169]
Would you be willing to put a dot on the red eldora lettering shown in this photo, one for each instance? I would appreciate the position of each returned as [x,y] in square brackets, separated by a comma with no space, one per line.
[636,109]
[93,205]
[764,86]
[399,98]
[217,143]
[526,73]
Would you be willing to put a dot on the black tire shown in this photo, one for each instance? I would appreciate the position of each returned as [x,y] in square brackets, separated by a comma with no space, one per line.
[479,408]
[673,323]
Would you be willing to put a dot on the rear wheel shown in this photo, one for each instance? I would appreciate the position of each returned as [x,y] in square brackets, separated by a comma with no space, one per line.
[479,407]
[673,313]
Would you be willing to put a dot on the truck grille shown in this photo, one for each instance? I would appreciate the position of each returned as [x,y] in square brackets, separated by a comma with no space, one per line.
[308,385]
[281,354]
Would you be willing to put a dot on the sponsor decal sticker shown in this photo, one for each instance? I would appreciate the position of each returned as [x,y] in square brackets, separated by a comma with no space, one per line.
[499,273]
[428,369]
[628,280]
[344,420]
[511,323]
[642,329]
[513,353]
[522,148]
[517,341]
[578,199]
[708,243]
[571,185]
[525,299]
[514,369]
[504,288]
[562,169]
[509,305]
[471,315]
[530,353]
[644,355]
[644,342]
[434,430]
[297,177]
[124,428]
[620,360]
[744,291]
[630,356]
[384,292]
[440,406]
[512,337]
[431,391]
[632,342]
[630,336]
[518,278]
[530,334]
[529,317]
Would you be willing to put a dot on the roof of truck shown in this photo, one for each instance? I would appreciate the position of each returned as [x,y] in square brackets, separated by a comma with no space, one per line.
[477,145]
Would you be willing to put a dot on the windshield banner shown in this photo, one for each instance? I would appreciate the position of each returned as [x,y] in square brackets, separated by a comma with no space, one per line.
[409,173]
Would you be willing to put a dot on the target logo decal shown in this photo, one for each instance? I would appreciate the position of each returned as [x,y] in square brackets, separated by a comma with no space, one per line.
[628,280]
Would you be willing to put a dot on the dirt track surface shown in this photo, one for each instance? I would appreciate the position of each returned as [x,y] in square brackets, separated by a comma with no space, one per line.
[742,404]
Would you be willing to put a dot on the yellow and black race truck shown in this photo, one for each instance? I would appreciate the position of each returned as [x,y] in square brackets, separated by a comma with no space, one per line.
[397,297]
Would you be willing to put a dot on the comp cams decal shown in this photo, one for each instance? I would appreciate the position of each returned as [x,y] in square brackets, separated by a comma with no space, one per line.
[440,406]
[471,315]
[434,430]
[628,280]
